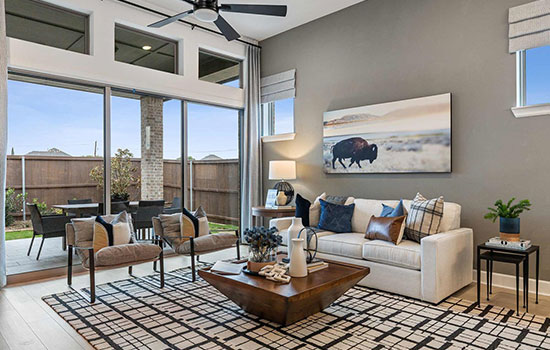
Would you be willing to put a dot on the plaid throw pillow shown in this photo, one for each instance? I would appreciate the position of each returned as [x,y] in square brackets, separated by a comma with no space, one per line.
[424,217]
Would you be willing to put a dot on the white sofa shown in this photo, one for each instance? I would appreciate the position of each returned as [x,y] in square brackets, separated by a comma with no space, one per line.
[431,270]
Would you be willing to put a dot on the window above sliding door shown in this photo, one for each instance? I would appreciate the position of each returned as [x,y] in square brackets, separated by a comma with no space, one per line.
[46,24]
[145,50]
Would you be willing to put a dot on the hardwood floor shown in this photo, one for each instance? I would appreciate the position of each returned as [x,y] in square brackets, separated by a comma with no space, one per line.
[28,323]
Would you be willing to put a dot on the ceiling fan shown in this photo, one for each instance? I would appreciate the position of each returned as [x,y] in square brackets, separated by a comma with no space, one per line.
[209,11]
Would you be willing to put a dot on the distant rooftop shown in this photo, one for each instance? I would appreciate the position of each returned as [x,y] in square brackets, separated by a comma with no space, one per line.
[212,157]
[52,152]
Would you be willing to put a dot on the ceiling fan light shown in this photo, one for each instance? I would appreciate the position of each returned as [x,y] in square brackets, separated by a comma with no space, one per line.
[206,15]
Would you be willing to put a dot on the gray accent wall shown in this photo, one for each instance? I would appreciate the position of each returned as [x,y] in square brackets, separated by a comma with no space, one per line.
[387,50]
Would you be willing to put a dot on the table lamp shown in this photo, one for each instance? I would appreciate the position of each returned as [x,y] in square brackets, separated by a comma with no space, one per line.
[283,170]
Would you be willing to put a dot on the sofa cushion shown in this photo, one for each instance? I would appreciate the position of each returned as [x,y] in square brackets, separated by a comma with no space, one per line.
[343,244]
[336,218]
[389,229]
[315,210]
[209,243]
[424,218]
[313,243]
[364,209]
[302,209]
[406,254]
[451,215]
[391,212]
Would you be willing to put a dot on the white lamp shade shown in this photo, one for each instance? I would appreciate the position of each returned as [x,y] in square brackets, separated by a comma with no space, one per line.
[282,170]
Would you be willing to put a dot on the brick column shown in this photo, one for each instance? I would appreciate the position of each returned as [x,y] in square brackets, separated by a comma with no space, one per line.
[152,176]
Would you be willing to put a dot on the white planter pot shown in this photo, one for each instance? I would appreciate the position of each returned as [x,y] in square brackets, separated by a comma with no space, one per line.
[293,232]
[298,264]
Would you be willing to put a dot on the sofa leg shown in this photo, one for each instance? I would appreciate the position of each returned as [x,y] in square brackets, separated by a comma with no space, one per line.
[70,265]
[92,278]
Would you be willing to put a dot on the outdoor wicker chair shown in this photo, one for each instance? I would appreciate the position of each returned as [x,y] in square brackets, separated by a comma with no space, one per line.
[119,207]
[80,238]
[47,226]
[175,207]
[144,215]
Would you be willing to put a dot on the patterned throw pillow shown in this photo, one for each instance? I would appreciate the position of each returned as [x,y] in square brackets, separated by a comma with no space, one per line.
[204,227]
[424,217]
[335,217]
[109,234]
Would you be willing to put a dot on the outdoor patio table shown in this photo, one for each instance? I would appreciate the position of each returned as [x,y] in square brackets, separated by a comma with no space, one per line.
[79,209]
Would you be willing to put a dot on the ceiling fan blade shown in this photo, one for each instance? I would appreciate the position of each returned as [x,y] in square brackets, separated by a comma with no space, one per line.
[268,10]
[169,20]
[226,29]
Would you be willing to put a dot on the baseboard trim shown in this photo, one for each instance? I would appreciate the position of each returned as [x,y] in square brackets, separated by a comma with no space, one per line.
[509,282]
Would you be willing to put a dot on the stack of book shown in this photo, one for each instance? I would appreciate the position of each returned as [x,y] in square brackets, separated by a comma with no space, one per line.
[316,266]
[520,245]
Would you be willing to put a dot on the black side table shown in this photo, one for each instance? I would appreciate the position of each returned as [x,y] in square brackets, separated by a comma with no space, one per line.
[513,256]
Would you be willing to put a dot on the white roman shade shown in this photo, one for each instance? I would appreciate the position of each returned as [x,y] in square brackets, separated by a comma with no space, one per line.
[529,25]
[278,86]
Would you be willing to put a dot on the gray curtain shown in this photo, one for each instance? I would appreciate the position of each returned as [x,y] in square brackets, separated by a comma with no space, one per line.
[3,137]
[251,153]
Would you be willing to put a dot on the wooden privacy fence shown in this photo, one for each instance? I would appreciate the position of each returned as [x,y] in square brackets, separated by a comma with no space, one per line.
[54,180]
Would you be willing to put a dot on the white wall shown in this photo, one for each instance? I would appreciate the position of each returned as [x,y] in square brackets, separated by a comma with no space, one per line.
[101,68]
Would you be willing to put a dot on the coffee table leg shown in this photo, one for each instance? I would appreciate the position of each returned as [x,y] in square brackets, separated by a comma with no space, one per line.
[478,277]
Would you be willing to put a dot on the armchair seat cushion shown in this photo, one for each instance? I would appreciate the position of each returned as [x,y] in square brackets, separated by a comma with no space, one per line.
[124,254]
[209,243]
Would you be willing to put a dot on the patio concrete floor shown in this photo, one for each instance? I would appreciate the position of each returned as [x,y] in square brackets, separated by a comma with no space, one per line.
[52,256]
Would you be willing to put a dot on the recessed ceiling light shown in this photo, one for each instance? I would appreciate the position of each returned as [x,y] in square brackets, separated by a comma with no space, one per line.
[146,47]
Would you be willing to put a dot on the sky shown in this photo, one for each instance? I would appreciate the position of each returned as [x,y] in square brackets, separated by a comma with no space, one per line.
[42,117]
[538,75]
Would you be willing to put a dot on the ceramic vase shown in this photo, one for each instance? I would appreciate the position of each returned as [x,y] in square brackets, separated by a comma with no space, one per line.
[281,198]
[293,232]
[298,264]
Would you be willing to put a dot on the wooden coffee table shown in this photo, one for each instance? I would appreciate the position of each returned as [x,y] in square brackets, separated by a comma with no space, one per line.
[287,303]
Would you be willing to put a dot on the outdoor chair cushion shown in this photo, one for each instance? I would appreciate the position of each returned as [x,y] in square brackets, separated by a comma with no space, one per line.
[84,228]
[124,254]
[170,224]
[209,243]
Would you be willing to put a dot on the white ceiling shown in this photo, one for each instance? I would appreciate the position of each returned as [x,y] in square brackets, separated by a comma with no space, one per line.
[263,27]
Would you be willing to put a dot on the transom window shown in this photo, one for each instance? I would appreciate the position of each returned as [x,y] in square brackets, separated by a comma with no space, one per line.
[47,24]
[219,69]
[145,50]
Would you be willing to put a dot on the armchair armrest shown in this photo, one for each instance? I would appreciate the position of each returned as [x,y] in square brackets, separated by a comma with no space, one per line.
[281,223]
[446,263]
[55,223]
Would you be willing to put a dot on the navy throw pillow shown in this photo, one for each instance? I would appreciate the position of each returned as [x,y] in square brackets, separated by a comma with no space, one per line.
[389,212]
[302,209]
[336,217]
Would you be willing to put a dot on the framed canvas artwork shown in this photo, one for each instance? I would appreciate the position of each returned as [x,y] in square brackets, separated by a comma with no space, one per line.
[409,136]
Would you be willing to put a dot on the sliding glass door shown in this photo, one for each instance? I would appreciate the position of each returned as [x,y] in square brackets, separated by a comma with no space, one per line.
[213,163]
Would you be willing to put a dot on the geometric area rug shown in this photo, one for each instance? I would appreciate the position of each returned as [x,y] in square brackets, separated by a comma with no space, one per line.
[132,314]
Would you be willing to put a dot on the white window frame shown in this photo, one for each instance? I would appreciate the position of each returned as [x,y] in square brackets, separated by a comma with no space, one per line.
[521,110]
[268,123]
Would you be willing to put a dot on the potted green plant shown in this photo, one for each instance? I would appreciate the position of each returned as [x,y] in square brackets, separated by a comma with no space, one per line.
[122,175]
[262,244]
[509,217]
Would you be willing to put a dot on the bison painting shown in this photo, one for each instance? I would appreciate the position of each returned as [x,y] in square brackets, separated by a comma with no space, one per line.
[355,148]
